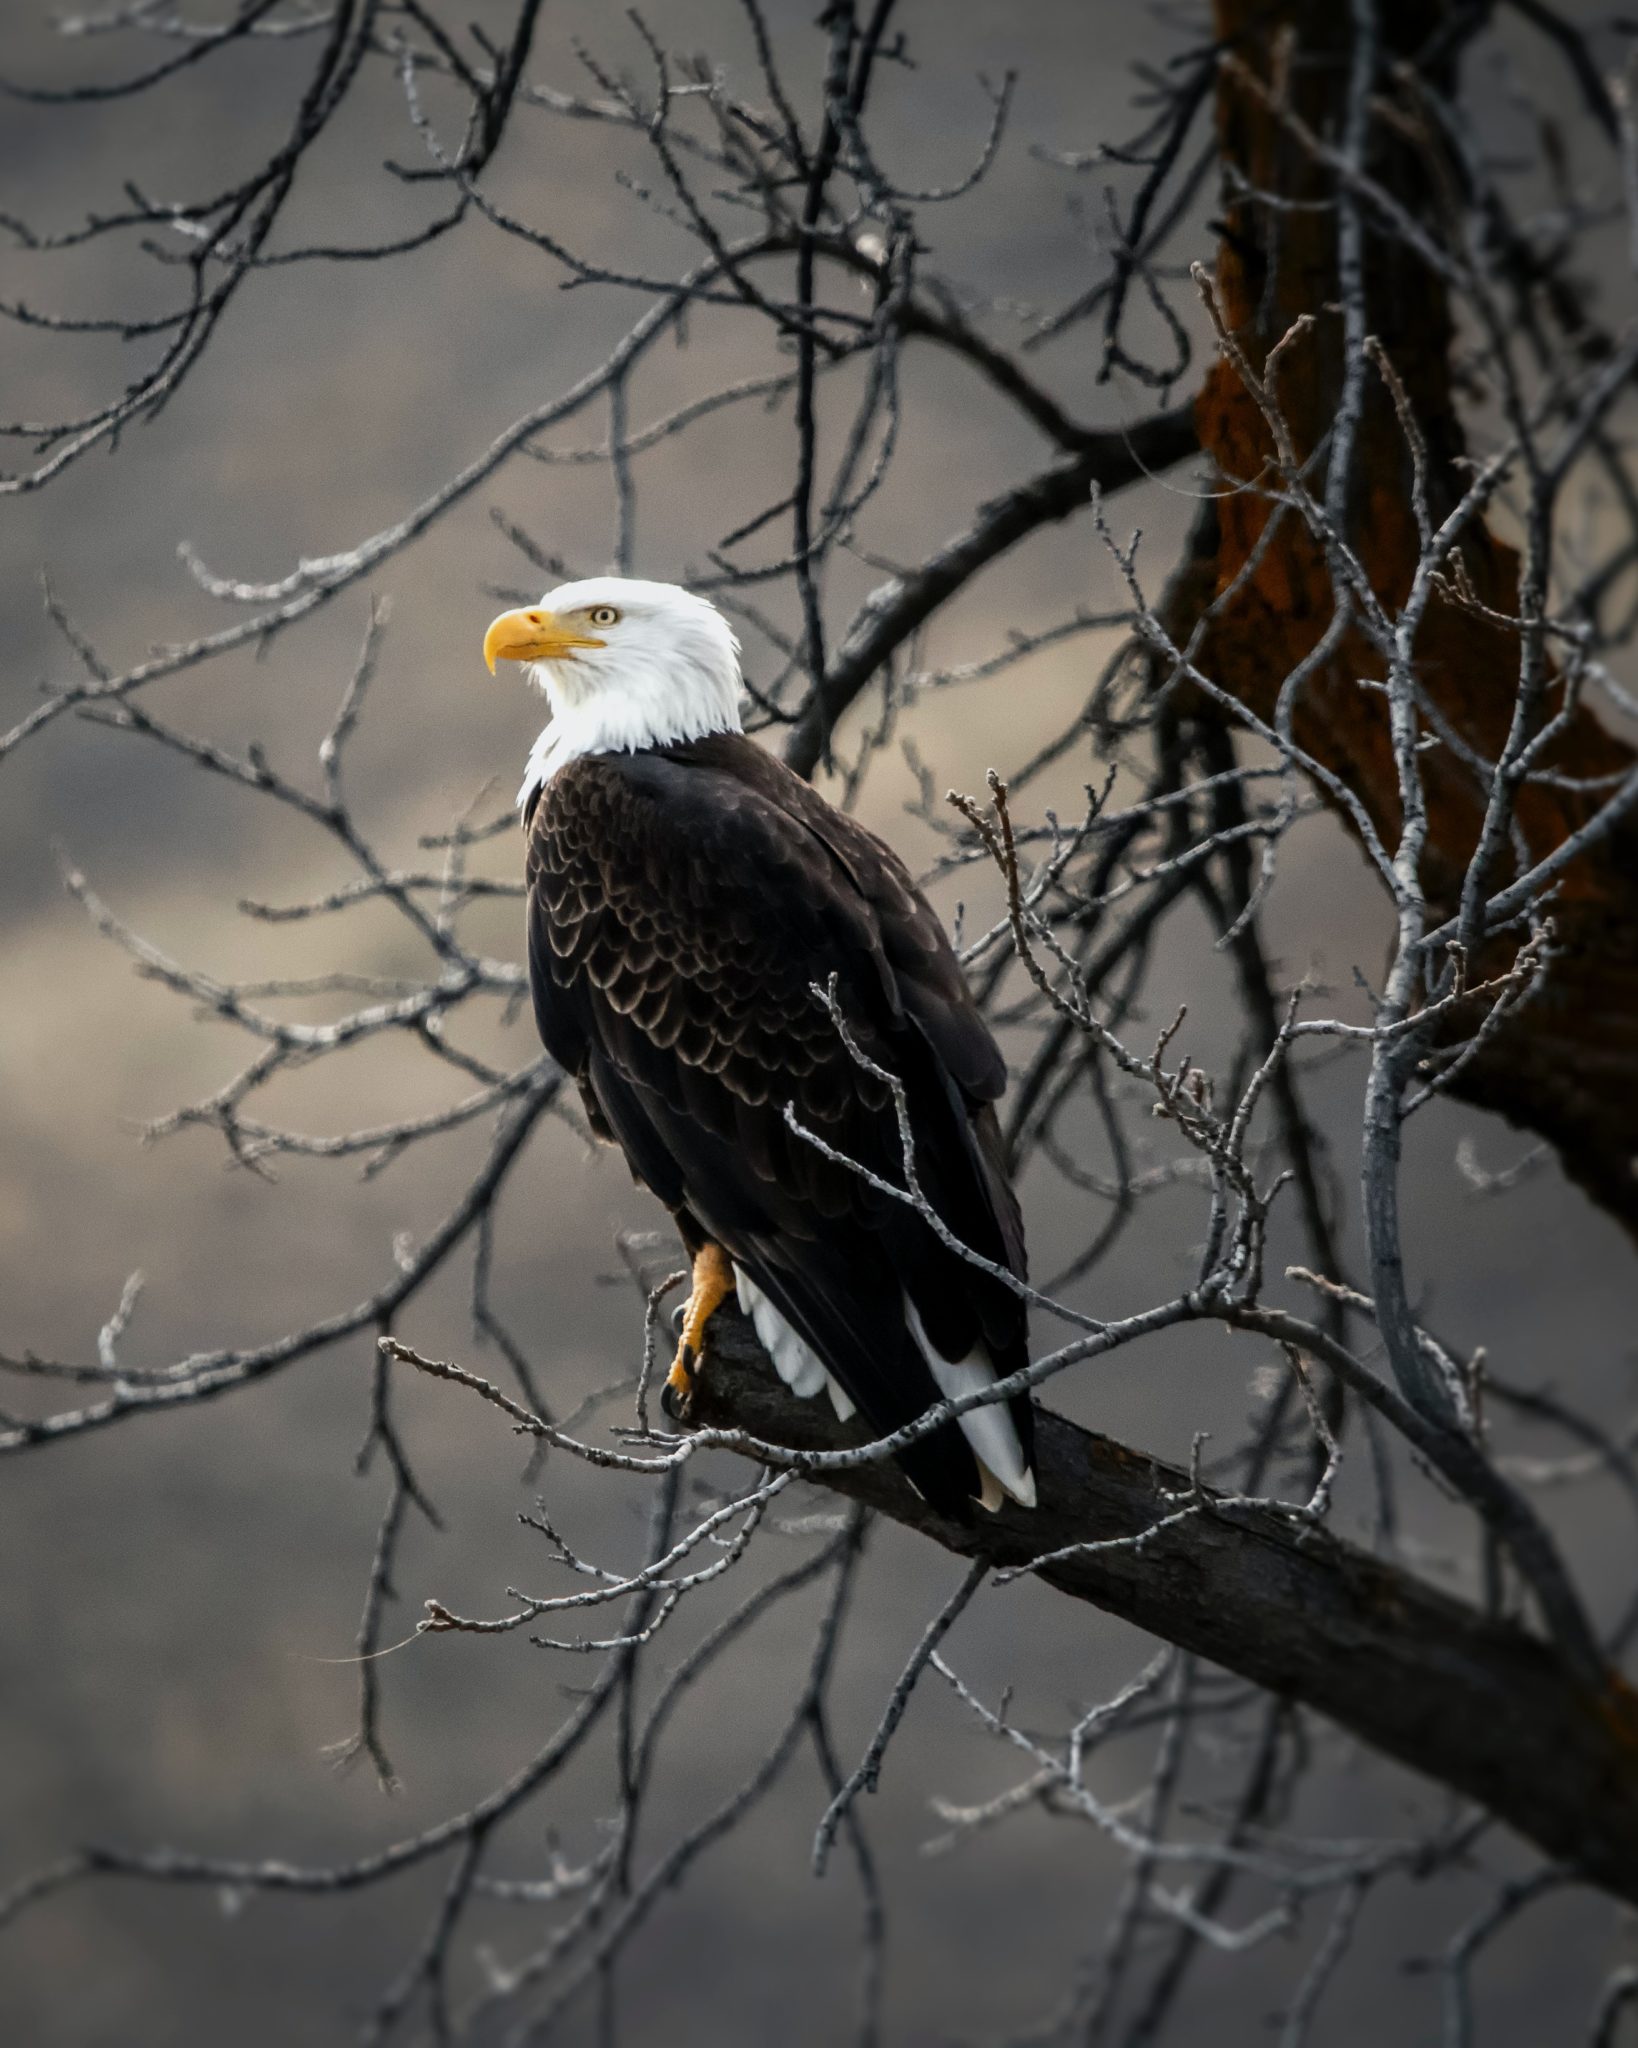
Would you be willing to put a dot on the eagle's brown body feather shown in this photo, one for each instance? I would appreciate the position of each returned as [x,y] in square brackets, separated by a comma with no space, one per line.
[683,902]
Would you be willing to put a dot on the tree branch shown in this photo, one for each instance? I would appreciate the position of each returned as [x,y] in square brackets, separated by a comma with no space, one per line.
[1467,1700]
[893,612]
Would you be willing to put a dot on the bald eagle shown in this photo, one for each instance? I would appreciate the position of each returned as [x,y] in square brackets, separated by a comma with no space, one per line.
[688,895]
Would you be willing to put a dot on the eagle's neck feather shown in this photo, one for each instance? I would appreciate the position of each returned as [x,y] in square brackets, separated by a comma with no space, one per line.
[651,701]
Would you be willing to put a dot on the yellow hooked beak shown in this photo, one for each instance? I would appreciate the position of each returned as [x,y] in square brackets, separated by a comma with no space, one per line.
[532,635]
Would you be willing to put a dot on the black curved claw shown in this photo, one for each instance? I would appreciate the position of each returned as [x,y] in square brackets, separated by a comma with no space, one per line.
[677,1402]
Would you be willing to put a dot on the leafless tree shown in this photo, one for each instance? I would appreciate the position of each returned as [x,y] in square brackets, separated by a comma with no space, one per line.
[1405,608]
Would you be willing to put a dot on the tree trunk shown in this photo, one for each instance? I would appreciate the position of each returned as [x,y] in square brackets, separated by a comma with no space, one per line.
[1566,1066]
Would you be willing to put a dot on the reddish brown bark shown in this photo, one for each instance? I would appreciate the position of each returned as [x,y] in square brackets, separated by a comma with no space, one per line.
[1567,1066]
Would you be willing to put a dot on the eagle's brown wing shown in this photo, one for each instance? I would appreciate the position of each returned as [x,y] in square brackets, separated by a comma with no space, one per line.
[683,903]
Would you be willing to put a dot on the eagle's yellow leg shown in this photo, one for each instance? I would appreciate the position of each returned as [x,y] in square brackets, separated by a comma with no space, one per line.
[713,1282]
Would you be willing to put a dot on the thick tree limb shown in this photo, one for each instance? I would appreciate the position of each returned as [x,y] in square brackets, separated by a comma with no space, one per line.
[1471,1702]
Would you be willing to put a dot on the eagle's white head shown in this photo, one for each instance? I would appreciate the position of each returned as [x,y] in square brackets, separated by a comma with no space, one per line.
[625,665]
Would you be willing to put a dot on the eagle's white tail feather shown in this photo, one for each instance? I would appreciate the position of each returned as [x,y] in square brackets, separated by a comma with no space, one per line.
[991,1430]
[794,1359]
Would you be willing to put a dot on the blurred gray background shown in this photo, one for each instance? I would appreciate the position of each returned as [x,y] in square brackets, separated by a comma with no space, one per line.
[171,1589]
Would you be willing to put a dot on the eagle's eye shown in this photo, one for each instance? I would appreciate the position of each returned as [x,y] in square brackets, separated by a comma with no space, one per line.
[603,615]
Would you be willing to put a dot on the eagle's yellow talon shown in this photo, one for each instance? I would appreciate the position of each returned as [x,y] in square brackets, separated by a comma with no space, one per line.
[713,1282]
[679,1384]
